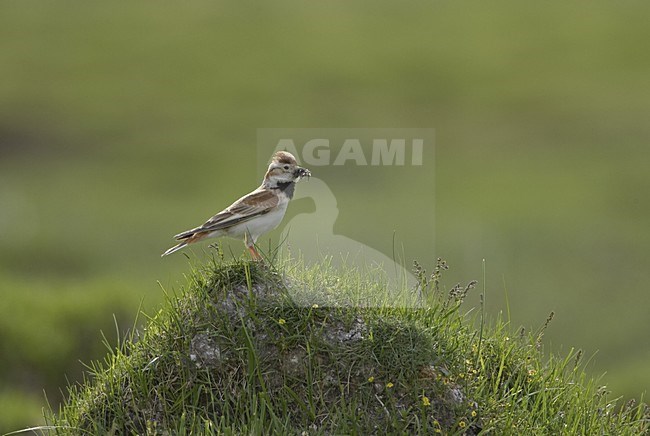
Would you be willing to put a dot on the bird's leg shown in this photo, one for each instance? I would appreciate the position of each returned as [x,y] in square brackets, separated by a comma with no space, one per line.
[254,254]
[250,244]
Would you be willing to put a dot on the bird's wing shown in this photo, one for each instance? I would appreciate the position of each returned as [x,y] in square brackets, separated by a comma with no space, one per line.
[258,202]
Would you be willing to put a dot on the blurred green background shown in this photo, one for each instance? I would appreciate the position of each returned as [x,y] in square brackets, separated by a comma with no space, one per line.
[121,124]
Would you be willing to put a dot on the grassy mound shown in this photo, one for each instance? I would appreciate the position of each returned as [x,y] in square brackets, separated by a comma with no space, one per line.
[242,350]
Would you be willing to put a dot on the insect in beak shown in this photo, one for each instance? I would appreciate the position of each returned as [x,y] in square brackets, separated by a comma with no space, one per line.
[302,172]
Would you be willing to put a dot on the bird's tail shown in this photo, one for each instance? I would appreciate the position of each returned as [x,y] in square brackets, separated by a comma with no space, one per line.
[174,249]
[186,238]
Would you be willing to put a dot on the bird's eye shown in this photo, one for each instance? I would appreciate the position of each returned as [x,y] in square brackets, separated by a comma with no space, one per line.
[286,167]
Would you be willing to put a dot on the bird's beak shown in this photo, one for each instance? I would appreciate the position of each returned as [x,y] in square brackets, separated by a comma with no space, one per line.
[300,172]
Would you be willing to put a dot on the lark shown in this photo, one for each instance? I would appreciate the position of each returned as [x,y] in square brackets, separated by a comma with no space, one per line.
[255,213]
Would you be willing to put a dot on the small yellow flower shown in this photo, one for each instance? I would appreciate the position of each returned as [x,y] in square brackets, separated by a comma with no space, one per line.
[389,385]
[532,372]
[462,424]
[314,306]
[371,379]
[281,321]
[473,413]
[425,401]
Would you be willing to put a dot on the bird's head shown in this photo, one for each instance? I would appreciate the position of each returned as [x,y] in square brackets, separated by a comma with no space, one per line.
[284,169]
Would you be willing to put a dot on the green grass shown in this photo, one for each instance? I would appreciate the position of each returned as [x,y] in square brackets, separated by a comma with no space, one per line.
[45,329]
[244,350]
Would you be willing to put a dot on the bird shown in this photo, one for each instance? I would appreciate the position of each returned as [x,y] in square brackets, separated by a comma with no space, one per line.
[255,213]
